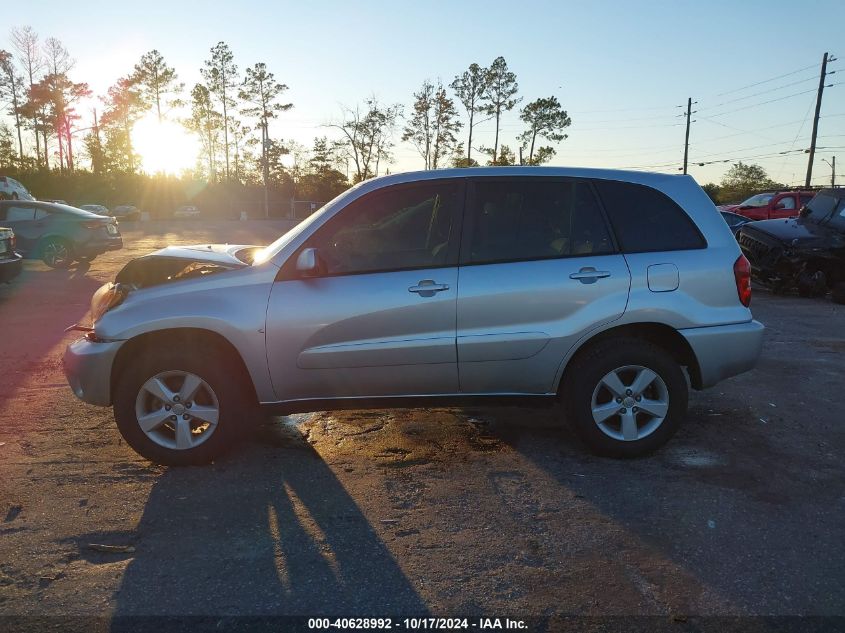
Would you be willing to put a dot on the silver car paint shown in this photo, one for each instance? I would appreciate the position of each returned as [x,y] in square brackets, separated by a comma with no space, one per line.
[366,335]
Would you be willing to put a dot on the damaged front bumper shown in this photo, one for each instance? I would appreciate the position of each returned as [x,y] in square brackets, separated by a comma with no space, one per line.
[88,367]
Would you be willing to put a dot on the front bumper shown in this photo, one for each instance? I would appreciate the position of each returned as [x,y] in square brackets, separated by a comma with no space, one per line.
[10,268]
[723,351]
[88,366]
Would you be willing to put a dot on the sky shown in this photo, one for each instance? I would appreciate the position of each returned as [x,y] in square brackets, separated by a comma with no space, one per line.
[622,70]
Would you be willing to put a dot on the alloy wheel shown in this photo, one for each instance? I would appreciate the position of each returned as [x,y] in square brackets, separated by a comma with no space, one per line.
[630,403]
[177,409]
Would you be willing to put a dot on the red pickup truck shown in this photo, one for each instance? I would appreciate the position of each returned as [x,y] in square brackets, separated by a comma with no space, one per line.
[771,205]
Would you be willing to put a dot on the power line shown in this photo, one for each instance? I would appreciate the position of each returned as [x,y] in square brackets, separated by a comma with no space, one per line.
[765,81]
[763,92]
[755,105]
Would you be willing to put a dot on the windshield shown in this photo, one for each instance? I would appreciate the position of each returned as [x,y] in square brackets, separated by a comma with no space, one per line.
[760,200]
[273,249]
[827,209]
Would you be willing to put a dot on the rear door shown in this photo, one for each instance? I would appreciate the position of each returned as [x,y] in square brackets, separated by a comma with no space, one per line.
[539,269]
[379,320]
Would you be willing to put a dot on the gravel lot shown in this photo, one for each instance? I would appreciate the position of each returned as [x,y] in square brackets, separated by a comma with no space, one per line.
[440,511]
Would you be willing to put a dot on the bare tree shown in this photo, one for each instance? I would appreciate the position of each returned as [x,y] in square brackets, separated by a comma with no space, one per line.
[368,135]
[25,42]
[433,125]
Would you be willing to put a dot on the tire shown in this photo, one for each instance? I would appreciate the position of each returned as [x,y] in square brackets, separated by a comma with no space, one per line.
[838,293]
[56,252]
[628,360]
[221,389]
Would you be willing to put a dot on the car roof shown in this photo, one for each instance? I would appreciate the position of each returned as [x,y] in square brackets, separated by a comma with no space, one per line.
[652,179]
[66,208]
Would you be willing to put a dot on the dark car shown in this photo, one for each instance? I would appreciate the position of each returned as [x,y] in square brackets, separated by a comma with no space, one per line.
[734,221]
[59,234]
[806,253]
[10,261]
[126,212]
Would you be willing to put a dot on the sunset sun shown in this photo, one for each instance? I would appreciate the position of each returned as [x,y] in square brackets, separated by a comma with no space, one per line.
[164,147]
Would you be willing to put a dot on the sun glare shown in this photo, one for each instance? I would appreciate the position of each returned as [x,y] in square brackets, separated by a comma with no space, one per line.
[164,147]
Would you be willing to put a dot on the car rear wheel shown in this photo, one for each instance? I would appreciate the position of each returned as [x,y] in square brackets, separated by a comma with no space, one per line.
[181,408]
[57,253]
[625,397]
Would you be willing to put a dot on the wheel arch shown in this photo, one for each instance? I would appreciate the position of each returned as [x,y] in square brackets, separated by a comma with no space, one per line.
[659,334]
[188,337]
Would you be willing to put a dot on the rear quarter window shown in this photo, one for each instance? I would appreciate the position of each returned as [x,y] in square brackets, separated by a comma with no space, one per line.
[647,220]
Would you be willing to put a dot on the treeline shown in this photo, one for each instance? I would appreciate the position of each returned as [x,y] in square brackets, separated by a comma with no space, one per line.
[231,113]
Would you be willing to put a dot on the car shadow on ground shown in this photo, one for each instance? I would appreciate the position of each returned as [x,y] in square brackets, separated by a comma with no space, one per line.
[721,501]
[234,539]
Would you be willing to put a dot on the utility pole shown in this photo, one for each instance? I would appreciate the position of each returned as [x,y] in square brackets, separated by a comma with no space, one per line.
[832,171]
[520,155]
[686,138]
[822,76]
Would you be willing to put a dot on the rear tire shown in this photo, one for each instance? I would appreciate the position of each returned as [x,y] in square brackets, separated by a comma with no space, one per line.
[198,426]
[56,252]
[625,397]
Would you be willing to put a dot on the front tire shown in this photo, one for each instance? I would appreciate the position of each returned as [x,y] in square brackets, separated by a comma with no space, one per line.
[625,397]
[181,408]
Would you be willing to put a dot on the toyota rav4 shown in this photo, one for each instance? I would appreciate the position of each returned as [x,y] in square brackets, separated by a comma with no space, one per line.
[609,291]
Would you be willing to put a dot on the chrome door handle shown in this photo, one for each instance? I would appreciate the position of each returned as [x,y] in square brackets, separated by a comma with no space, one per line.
[589,275]
[427,288]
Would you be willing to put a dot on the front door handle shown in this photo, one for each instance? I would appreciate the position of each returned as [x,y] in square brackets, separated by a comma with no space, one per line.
[589,275]
[428,288]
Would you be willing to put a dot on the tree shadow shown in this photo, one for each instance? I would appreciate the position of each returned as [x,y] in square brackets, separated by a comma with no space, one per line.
[267,531]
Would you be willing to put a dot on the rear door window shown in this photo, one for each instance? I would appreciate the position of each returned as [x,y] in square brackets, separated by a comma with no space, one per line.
[520,219]
[19,214]
[646,220]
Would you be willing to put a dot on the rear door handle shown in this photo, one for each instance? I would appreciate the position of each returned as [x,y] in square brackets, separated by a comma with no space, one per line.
[428,288]
[589,275]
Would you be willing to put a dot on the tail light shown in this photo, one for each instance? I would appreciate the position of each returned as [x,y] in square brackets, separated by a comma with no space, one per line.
[742,275]
[13,241]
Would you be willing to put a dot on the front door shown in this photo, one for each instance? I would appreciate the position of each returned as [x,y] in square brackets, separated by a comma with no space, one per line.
[538,270]
[379,318]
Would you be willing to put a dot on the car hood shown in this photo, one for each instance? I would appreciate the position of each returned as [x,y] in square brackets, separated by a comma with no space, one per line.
[177,263]
[793,231]
[728,207]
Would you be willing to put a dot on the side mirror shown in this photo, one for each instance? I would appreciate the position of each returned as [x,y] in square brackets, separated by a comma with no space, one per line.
[804,212]
[308,262]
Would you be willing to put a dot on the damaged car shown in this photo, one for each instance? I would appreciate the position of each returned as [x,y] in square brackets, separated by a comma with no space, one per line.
[806,253]
[607,291]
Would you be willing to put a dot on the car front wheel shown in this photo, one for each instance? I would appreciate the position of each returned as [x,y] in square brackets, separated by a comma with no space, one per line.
[625,397]
[180,409]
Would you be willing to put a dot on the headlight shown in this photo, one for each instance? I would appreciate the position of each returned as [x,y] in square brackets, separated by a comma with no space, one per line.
[107,297]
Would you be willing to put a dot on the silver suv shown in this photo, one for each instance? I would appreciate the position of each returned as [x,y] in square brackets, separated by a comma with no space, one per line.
[611,291]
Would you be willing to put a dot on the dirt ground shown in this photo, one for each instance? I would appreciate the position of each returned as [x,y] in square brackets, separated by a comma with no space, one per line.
[439,511]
